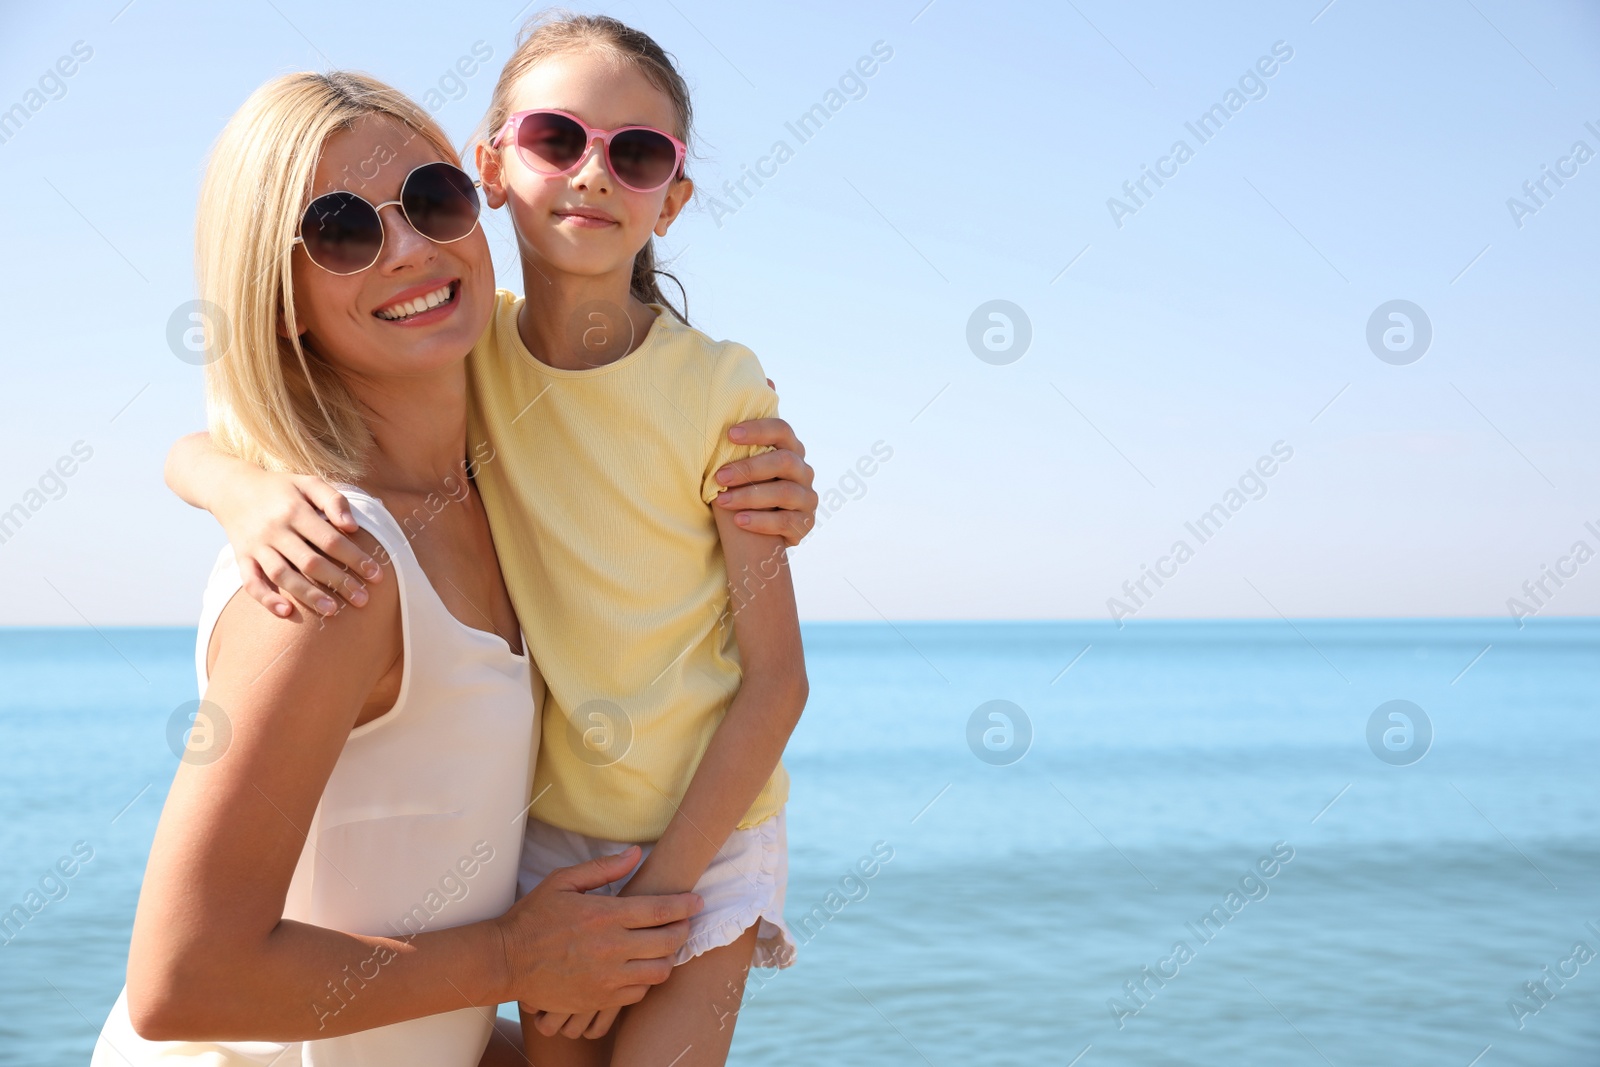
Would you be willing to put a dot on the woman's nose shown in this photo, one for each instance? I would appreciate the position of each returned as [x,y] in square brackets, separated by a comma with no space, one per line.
[401,242]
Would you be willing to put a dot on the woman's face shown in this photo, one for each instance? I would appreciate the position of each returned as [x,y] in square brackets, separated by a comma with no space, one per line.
[350,320]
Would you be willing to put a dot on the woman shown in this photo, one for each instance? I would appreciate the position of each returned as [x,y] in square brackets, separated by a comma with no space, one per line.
[331,884]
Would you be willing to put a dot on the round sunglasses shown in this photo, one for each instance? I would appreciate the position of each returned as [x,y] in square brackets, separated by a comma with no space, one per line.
[343,234]
[642,158]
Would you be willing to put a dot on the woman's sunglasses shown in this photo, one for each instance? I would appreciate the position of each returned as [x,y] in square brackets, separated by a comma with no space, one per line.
[642,158]
[343,234]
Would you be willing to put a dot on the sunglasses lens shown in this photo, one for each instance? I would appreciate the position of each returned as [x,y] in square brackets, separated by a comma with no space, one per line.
[550,142]
[342,233]
[440,202]
[643,159]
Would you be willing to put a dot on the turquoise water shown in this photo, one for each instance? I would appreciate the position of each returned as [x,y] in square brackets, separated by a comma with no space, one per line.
[1165,763]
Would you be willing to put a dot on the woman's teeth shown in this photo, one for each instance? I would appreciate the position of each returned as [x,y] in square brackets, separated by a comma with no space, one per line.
[415,307]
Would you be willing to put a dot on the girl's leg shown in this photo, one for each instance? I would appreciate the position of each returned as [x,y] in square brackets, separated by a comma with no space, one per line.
[690,1016]
[561,1051]
[505,1046]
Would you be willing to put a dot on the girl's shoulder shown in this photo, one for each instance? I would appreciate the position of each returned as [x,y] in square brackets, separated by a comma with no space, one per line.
[726,361]
[495,348]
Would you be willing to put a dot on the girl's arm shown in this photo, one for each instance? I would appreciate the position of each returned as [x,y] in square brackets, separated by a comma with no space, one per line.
[751,737]
[746,746]
[778,483]
[211,956]
[288,531]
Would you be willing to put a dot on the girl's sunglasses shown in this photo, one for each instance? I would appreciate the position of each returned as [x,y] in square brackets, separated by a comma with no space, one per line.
[343,234]
[642,158]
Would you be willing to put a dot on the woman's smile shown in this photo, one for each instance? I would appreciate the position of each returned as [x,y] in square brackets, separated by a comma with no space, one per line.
[422,305]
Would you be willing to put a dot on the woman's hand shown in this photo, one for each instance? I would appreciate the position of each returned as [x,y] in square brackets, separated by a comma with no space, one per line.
[570,953]
[771,491]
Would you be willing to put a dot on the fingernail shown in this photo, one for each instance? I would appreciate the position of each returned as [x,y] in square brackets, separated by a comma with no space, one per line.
[358,597]
[326,606]
[370,569]
[281,610]
[737,433]
[742,519]
[725,477]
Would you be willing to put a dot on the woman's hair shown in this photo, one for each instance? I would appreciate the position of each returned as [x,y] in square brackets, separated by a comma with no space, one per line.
[269,398]
[551,33]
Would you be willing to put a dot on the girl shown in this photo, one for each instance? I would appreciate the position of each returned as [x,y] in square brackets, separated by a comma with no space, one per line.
[666,629]
[672,700]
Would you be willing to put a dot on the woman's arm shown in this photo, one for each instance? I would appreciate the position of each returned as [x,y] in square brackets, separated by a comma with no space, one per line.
[770,493]
[751,737]
[289,531]
[212,957]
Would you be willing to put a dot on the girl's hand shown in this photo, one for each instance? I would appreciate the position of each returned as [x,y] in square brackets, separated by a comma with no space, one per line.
[601,1024]
[276,525]
[590,1024]
[771,491]
[288,535]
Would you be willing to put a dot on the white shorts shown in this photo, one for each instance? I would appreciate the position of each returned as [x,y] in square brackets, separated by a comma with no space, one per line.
[743,886]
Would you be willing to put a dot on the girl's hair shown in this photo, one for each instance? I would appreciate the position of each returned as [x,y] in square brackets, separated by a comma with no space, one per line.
[551,33]
[270,399]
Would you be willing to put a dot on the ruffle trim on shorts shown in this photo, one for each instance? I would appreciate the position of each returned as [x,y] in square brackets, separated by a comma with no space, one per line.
[775,946]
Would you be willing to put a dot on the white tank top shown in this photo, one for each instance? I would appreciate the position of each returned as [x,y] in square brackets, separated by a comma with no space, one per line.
[419,828]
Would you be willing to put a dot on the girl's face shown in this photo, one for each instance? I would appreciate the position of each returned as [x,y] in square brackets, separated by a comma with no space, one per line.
[584,223]
[351,320]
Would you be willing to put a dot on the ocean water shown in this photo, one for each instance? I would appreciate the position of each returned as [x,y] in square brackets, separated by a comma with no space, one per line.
[1050,871]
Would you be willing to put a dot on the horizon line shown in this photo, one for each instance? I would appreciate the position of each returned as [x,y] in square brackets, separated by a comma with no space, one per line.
[1057,620]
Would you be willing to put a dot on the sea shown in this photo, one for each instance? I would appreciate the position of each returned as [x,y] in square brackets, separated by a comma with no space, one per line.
[1209,842]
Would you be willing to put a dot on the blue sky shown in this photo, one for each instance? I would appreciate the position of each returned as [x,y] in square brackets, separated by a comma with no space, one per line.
[1172,348]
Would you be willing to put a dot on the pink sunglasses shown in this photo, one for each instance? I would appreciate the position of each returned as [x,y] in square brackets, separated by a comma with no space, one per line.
[642,158]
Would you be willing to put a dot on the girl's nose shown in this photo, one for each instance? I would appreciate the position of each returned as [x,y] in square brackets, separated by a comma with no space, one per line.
[592,172]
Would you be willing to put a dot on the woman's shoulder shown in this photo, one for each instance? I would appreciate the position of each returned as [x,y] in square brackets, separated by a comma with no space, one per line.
[373,516]
[381,537]
[349,640]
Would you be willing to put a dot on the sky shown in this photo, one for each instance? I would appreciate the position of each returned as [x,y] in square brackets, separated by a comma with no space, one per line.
[1333,359]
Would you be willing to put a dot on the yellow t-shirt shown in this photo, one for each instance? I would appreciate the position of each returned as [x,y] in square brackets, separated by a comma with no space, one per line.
[598,494]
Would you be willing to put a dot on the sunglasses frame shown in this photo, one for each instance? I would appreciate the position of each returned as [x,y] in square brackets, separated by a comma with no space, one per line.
[377,209]
[514,123]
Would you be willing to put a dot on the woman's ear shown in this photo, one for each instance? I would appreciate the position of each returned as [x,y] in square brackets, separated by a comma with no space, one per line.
[487,161]
[677,199]
[283,326]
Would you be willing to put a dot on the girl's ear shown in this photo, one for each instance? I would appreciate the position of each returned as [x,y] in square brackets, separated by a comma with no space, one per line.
[678,195]
[488,164]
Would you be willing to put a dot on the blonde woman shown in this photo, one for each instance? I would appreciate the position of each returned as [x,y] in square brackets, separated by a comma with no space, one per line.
[332,882]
